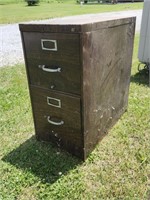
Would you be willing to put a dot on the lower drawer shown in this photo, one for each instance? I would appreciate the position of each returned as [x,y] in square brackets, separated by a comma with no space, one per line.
[57,118]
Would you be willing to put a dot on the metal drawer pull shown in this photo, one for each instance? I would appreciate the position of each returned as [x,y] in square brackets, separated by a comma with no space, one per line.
[44,68]
[55,123]
[53,42]
[57,102]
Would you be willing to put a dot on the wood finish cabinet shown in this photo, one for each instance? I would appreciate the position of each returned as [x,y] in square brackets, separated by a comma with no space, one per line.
[78,74]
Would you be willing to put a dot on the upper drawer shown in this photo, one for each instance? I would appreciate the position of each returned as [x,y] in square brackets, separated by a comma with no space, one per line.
[52,46]
[55,75]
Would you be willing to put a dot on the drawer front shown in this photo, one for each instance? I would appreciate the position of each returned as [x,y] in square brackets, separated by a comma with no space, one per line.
[53,61]
[52,46]
[57,116]
[55,75]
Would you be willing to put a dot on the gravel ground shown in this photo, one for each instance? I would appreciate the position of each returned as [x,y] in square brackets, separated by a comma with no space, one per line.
[10,41]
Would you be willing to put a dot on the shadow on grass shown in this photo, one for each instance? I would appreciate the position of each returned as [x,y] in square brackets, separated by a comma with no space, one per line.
[141,77]
[31,6]
[42,159]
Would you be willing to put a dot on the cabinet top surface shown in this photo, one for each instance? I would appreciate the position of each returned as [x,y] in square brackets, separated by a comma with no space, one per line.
[80,22]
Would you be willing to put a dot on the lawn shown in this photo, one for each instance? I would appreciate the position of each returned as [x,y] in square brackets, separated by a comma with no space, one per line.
[117,169]
[12,11]
[30,170]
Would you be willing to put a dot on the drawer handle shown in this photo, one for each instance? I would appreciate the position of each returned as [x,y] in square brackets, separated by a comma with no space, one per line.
[55,123]
[44,68]
[53,43]
[54,102]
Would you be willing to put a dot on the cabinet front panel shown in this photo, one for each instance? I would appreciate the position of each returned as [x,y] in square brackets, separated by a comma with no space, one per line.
[52,46]
[53,61]
[55,75]
[56,116]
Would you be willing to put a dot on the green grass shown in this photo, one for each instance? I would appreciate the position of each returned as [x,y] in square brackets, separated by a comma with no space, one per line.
[19,11]
[117,169]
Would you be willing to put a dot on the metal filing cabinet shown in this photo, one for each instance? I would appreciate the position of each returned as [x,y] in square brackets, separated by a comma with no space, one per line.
[78,72]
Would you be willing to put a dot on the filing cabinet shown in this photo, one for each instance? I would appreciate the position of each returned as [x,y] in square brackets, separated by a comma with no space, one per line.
[78,72]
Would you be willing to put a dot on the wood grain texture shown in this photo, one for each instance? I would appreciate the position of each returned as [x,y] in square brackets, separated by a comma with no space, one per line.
[67,47]
[67,134]
[66,57]
[77,24]
[107,56]
[93,85]
[68,80]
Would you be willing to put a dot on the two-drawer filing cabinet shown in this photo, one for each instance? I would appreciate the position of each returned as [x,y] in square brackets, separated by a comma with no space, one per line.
[78,71]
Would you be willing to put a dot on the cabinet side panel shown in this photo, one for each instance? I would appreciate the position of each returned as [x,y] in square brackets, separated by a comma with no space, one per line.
[107,57]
